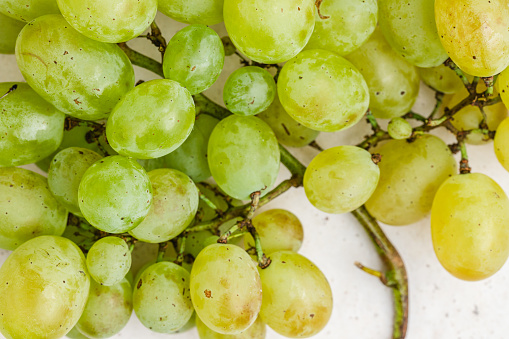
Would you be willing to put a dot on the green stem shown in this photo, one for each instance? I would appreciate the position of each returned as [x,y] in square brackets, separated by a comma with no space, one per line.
[207,106]
[141,60]
[464,165]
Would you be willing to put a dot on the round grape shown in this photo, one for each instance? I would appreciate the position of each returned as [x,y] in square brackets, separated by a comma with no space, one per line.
[399,128]
[109,260]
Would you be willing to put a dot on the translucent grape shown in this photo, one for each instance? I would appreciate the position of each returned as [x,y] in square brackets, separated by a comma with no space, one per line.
[191,323]
[206,12]
[249,91]
[109,20]
[341,179]
[115,194]
[9,30]
[475,37]
[399,128]
[268,32]
[162,299]
[470,226]
[255,331]
[225,288]
[501,144]
[75,334]
[109,260]
[279,230]
[27,208]
[503,85]
[151,164]
[393,83]
[243,156]
[345,26]
[441,78]
[191,157]
[151,120]
[323,91]
[297,299]
[79,76]
[175,204]
[107,311]
[45,278]
[28,10]
[194,57]
[410,174]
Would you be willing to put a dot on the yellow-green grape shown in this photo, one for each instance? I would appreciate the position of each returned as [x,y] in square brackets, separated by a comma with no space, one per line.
[107,311]
[288,131]
[249,91]
[151,120]
[410,29]
[44,287]
[501,144]
[109,260]
[255,331]
[474,34]
[175,204]
[115,194]
[161,298]
[194,57]
[470,226]
[225,288]
[297,298]
[410,175]
[345,25]
[109,20]
[27,207]
[30,128]
[9,30]
[399,128]
[191,157]
[341,179]
[191,323]
[65,173]
[279,230]
[243,156]
[269,32]
[206,12]
[393,82]
[503,86]
[28,10]
[323,91]
[151,164]
[441,78]
[75,334]
[80,76]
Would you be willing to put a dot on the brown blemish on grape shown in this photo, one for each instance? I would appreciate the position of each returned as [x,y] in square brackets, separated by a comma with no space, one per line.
[208,293]
[139,284]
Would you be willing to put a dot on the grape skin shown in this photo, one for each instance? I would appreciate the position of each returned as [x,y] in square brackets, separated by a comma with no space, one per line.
[255,331]
[399,128]
[206,12]
[9,30]
[501,144]
[109,260]
[441,78]
[28,10]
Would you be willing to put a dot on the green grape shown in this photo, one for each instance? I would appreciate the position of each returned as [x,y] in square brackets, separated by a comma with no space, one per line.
[191,323]
[205,212]
[503,86]
[297,299]
[9,30]
[162,299]
[151,120]
[107,311]
[243,156]
[30,128]
[410,29]
[115,194]
[475,37]
[501,144]
[75,334]
[323,91]
[79,76]
[269,32]
[109,260]
[44,287]
[191,157]
[393,83]
[255,331]
[194,57]
[28,10]
[399,128]
[109,20]
[345,25]
[27,207]
[288,131]
[175,204]
[410,175]
[65,173]
[225,288]
[196,242]
[470,226]
[206,12]
[152,164]
[441,78]
[341,179]
[279,230]
[249,91]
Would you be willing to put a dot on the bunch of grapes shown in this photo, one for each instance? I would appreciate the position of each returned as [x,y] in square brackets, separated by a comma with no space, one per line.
[158,171]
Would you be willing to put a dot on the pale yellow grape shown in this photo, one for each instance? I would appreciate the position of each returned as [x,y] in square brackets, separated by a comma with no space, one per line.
[297,298]
[501,144]
[470,226]
[28,10]
[207,12]
[9,30]
[503,86]
[399,128]
[255,331]
[441,78]
[323,91]
[225,288]
[109,260]
[410,175]
[44,287]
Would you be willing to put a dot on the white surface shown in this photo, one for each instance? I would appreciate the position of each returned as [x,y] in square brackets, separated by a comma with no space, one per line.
[441,306]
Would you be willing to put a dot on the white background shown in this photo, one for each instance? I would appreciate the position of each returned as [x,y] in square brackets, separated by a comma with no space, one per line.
[441,306]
